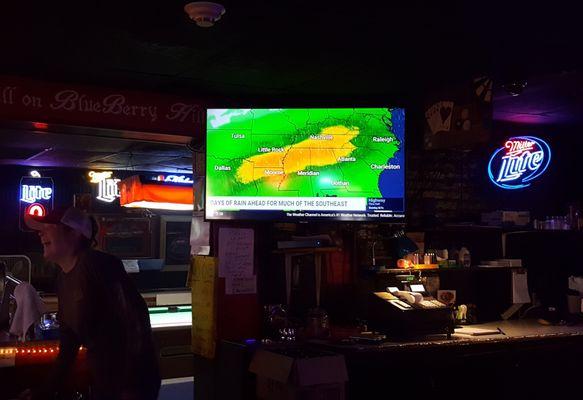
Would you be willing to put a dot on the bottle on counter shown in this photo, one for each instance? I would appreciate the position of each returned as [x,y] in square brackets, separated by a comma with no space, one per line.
[416,258]
[427,258]
[464,257]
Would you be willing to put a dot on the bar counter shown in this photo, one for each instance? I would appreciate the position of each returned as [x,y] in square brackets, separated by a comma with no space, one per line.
[27,364]
[523,360]
[510,331]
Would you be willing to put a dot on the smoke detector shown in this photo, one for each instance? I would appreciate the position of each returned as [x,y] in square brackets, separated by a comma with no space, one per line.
[204,13]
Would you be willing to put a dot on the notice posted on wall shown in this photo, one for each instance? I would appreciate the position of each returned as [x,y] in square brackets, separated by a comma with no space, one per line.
[199,235]
[241,285]
[235,252]
[236,260]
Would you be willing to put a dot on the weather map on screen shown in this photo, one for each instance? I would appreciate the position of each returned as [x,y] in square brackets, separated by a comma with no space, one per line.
[299,163]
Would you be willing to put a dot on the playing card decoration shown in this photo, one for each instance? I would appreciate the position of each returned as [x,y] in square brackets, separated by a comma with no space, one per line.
[483,88]
[459,117]
[439,115]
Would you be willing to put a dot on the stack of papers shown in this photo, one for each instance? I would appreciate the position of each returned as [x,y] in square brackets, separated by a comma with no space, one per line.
[466,330]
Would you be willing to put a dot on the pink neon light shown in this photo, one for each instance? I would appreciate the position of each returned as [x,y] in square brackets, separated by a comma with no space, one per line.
[515,147]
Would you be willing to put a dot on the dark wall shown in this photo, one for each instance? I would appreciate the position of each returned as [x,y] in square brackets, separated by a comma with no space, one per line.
[453,185]
[560,186]
[67,183]
[12,239]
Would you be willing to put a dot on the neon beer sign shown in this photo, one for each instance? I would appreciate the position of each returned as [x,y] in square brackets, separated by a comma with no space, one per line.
[519,162]
[107,188]
[36,196]
[33,193]
[37,210]
[181,179]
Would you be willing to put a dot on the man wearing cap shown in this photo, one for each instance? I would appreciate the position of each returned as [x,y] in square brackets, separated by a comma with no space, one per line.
[100,309]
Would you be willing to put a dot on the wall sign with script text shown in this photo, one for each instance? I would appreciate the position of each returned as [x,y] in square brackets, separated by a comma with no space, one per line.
[107,188]
[90,106]
[518,163]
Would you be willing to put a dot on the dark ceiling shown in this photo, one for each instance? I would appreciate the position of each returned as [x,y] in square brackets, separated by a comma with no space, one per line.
[50,149]
[295,50]
[287,52]
[555,99]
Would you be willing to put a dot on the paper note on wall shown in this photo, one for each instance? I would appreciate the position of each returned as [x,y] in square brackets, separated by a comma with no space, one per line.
[520,293]
[235,252]
[204,275]
[241,285]
[199,236]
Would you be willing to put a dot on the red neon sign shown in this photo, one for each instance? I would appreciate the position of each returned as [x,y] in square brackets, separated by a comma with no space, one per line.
[40,125]
[36,210]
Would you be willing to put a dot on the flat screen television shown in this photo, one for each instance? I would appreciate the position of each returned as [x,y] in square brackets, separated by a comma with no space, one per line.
[302,164]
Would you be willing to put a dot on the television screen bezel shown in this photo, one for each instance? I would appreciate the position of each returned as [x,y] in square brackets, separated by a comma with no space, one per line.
[392,221]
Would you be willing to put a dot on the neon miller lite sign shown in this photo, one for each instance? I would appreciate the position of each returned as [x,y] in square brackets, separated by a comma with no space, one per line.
[33,193]
[107,189]
[520,161]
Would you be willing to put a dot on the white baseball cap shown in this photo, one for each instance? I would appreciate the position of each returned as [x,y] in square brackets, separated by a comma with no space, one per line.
[72,217]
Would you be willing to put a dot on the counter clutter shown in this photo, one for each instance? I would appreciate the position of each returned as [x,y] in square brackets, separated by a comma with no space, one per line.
[520,360]
[494,332]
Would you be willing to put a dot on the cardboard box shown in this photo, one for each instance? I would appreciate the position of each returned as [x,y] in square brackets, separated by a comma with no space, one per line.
[299,374]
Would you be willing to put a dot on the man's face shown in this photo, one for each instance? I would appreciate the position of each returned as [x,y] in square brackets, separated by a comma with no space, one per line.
[57,241]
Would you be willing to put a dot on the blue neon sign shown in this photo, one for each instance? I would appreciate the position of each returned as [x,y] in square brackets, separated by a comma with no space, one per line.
[36,197]
[519,162]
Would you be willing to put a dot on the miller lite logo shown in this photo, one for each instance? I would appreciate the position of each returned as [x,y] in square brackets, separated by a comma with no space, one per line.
[33,193]
[107,185]
[521,160]
[36,198]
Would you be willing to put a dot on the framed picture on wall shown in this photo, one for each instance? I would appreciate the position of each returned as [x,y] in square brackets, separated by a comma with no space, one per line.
[175,241]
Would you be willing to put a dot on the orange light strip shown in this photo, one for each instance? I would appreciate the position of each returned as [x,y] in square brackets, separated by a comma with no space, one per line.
[159,206]
[32,350]
[137,194]
[8,351]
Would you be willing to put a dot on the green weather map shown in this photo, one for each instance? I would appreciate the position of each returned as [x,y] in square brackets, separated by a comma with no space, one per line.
[304,154]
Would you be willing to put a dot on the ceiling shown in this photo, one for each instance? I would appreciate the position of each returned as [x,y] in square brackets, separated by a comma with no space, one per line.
[295,50]
[555,99]
[288,52]
[48,149]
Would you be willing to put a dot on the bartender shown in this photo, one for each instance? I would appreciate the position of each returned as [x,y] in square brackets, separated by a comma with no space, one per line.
[100,309]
